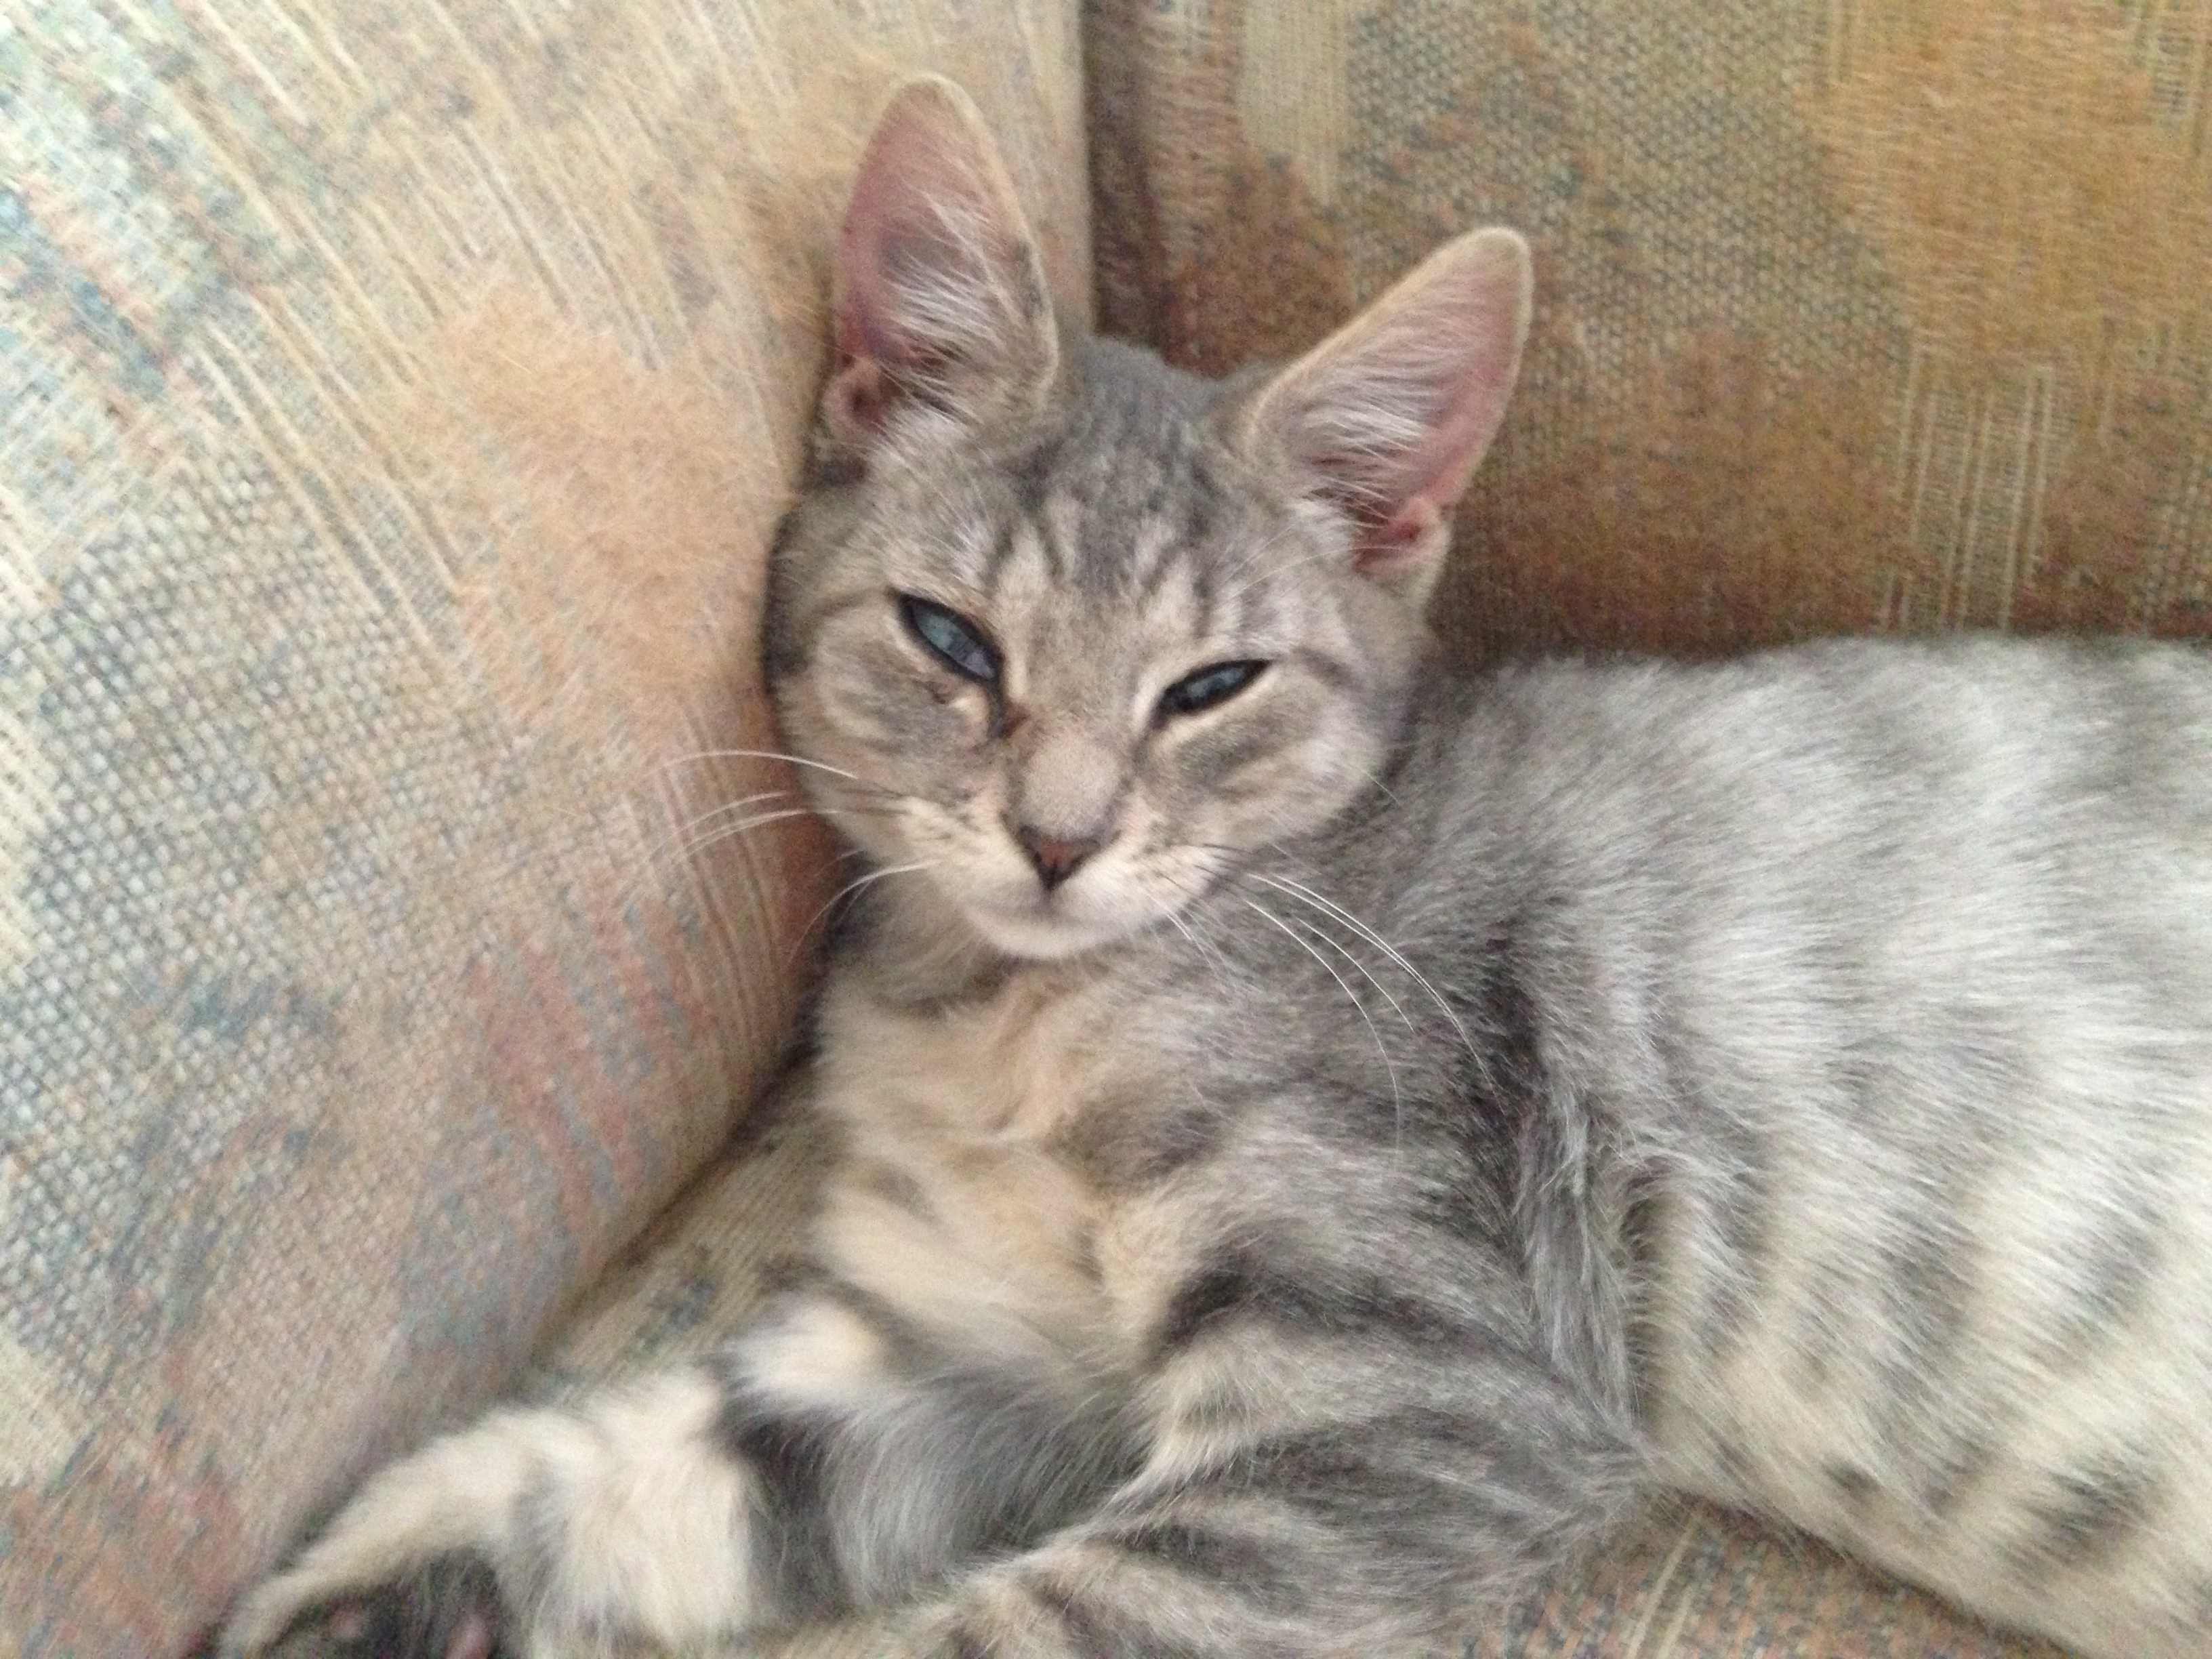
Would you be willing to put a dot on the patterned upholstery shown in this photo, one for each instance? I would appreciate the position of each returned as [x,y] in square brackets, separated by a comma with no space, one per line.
[1866,314]
[394,402]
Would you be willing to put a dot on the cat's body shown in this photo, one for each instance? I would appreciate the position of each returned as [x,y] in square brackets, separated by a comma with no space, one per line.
[1756,964]
[1322,1139]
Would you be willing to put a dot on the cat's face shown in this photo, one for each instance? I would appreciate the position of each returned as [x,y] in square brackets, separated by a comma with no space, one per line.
[1065,634]
[1073,686]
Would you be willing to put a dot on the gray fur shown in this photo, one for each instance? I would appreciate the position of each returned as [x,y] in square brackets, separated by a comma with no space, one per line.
[1440,1111]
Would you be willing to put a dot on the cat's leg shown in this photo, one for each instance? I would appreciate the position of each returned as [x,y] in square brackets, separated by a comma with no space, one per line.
[1332,1474]
[627,1503]
[834,1457]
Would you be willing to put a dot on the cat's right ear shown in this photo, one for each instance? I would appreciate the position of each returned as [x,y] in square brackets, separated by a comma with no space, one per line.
[1383,423]
[942,320]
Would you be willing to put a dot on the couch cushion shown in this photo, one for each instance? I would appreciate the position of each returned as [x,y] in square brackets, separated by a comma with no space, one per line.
[1848,316]
[395,401]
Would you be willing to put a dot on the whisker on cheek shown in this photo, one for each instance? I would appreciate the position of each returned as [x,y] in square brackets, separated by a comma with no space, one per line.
[850,891]
[699,757]
[687,842]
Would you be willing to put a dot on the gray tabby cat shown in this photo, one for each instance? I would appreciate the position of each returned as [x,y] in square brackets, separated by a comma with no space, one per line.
[1323,1138]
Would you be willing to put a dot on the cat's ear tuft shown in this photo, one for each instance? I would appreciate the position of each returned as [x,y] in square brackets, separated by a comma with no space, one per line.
[939,299]
[1384,421]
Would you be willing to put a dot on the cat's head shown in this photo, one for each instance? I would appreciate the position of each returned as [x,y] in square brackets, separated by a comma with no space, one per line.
[1067,633]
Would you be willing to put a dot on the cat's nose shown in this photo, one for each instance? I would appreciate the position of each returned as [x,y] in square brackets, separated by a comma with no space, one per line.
[1056,858]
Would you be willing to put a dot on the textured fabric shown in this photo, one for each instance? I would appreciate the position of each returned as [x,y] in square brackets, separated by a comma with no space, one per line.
[1869,314]
[395,400]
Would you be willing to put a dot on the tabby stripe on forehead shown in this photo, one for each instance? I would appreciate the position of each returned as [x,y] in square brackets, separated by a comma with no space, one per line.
[1053,554]
[1030,478]
[1204,592]
[1167,560]
[1000,555]
[1200,499]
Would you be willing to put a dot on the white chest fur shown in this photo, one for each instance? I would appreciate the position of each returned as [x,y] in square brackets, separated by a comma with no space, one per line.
[953,1202]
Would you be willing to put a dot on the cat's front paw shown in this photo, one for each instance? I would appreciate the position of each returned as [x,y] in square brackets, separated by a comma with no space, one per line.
[447,1609]
[625,1516]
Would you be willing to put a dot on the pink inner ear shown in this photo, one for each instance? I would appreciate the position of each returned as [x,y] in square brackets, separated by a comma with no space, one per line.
[1388,419]
[852,342]
[1394,547]
[867,321]
[924,157]
[856,399]
[937,300]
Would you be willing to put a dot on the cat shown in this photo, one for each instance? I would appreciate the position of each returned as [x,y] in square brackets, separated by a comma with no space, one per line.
[1322,1140]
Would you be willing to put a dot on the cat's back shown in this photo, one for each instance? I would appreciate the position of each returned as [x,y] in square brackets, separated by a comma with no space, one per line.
[1892,968]
[1973,823]
[2031,734]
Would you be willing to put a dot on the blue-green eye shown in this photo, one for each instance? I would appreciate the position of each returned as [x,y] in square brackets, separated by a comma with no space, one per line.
[1215,684]
[958,643]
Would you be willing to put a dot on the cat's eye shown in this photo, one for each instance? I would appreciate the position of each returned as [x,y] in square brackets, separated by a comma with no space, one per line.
[1207,687]
[961,644]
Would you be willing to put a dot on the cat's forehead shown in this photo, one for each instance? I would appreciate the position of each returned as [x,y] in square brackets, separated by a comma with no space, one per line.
[1129,503]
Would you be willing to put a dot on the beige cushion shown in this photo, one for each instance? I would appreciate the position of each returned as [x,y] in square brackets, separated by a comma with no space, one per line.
[1853,316]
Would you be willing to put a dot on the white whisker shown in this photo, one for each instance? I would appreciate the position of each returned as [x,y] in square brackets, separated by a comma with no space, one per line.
[688,850]
[704,755]
[1329,907]
[1212,954]
[847,890]
[853,779]
[701,820]
[1397,1099]
[1365,972]
[731,831]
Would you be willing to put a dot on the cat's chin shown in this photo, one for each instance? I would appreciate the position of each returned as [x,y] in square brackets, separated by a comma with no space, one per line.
[1043,936]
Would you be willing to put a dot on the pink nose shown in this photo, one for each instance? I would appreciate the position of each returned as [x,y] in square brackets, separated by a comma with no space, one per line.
[1055,860]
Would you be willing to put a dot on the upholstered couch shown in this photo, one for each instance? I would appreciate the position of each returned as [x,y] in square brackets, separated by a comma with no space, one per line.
[395,402]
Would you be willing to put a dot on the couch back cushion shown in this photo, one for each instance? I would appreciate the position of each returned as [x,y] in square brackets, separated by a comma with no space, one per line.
[1882,314]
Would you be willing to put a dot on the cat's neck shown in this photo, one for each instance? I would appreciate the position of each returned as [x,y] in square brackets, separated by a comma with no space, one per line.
[915,947]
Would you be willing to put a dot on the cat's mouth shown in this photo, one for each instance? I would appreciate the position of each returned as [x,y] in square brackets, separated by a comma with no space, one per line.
[1049,925]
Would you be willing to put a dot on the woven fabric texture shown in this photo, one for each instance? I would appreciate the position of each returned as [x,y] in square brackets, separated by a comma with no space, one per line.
[1856,315]
[395,400]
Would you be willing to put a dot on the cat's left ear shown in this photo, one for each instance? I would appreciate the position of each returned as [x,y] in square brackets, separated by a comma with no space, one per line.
[941,317]
[1384,421]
